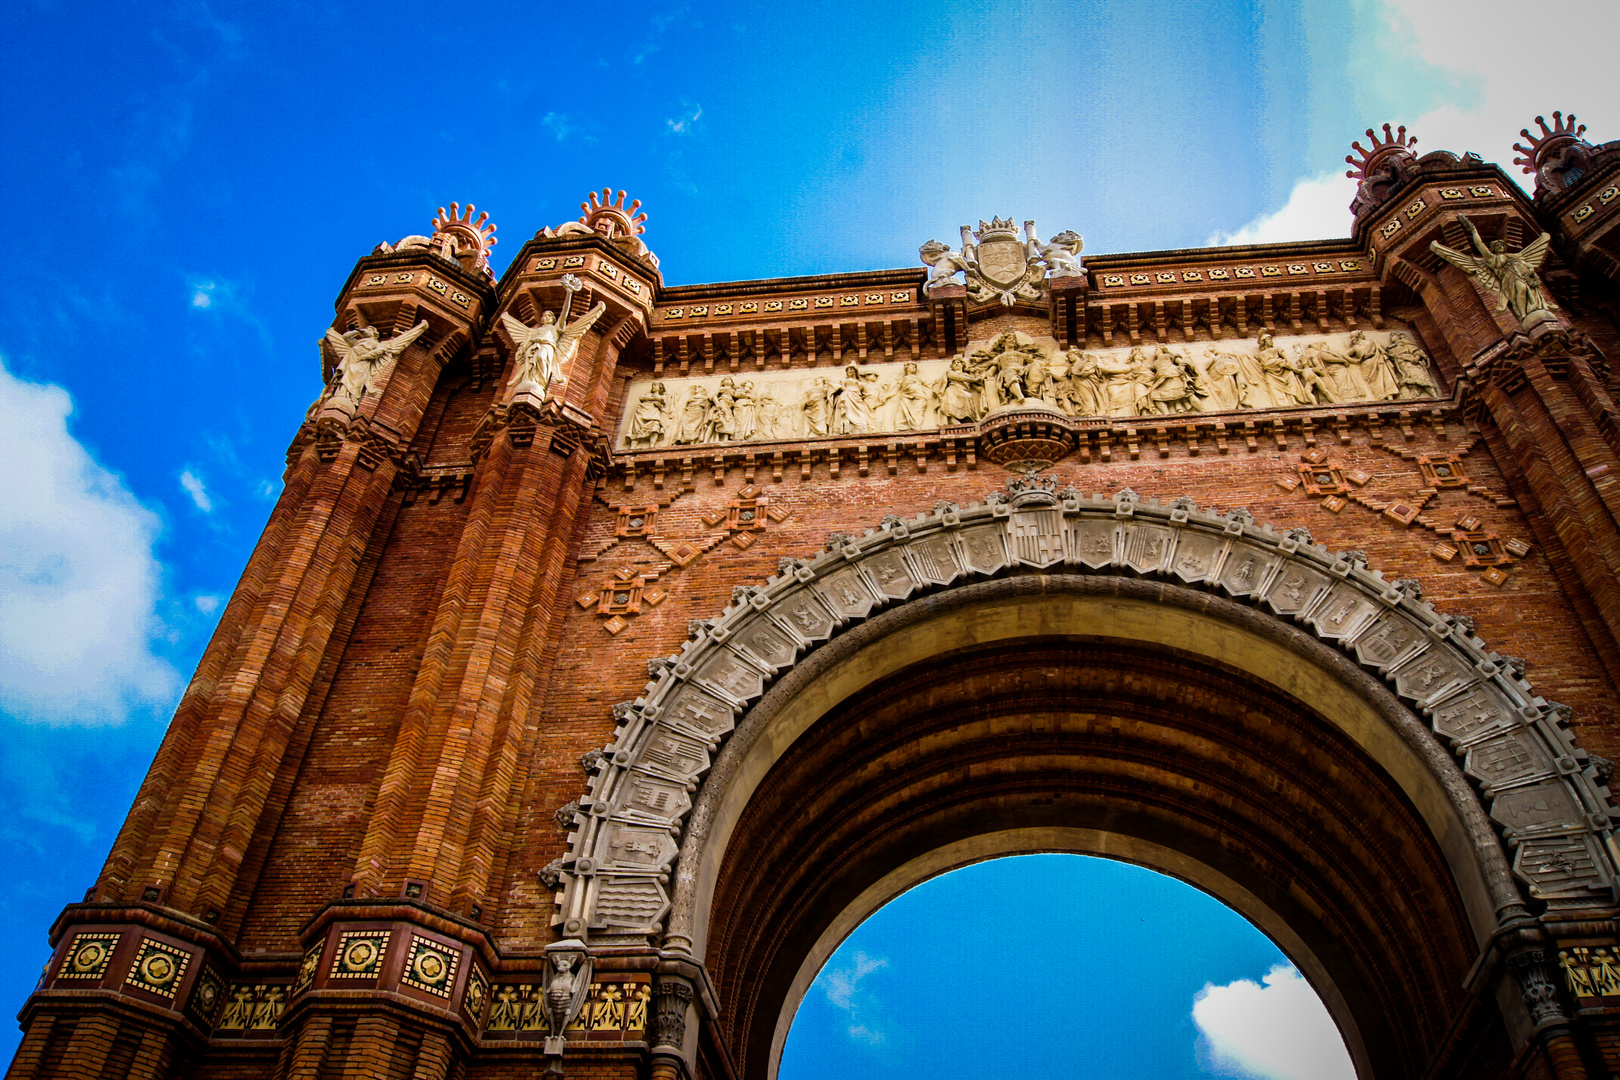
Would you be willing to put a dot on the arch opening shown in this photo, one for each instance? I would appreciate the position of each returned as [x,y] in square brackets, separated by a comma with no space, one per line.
[1248,712]
[1126,972]
[985,729]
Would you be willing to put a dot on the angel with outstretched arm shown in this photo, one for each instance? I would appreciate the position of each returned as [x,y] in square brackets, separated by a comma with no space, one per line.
[1511,275]
[543,351]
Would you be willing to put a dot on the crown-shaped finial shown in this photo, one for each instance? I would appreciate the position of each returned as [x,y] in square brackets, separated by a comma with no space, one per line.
[1552,138]
[1395,142]
[613,218]
[998,226]
[476,236]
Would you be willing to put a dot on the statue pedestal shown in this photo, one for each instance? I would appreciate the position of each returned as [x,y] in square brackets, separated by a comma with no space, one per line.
[337,412]
[528,393]
[1540,322]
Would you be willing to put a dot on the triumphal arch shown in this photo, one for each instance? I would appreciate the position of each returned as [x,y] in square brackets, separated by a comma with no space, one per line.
[615,648]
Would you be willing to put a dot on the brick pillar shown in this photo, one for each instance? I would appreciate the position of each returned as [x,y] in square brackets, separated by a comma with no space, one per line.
[1545,416]
[448,798]
[206,791]
[445,802]
[164,899]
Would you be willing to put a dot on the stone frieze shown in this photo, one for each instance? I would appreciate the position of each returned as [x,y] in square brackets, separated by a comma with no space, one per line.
[1018,370]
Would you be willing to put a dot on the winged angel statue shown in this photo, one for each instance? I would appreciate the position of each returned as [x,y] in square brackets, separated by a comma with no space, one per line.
[543,351]
[1511,275]
[361,355]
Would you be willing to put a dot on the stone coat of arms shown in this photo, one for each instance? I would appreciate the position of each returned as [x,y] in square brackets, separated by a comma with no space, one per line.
[997,265]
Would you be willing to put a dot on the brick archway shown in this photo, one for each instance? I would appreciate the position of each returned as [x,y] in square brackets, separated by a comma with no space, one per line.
[1375,689]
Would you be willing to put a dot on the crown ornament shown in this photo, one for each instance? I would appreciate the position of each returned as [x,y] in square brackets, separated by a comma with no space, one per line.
[471,235]
[999,228]
[1562,133]
[610,217]
[1396,142]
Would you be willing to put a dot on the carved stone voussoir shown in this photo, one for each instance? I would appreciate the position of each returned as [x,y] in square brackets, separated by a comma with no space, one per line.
[1477,708]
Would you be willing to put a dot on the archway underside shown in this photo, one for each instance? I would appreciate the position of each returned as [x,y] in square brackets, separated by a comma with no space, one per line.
[1293,824]
[1272,721]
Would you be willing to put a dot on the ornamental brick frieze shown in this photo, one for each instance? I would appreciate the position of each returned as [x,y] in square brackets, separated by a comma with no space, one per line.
[1460,537]
[1548,803]
[882,296]
[145,958]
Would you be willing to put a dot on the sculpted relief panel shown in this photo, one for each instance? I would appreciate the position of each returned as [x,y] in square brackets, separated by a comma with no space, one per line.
[1017,370]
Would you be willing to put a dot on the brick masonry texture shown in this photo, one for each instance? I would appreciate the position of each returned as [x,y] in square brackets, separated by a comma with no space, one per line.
[395,704]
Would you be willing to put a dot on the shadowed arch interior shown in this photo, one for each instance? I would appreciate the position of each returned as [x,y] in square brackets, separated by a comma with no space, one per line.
[1345,827]
[1191,766]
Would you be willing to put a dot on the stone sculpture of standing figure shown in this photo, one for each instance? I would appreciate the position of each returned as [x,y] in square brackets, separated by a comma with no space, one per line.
[915,395]
[1511,275]
[1375,365]
[746,410]
[1411,367]
[361,356]
[560,994]
[959,394]
[649,422]
[818,407]
[543,351]
[852,409]
[694,416]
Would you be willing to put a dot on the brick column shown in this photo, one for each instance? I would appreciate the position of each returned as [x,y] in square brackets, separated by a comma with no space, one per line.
[448,798]
[141,959]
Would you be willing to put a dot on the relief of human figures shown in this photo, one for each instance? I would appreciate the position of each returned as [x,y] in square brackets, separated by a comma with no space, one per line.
[1016,371]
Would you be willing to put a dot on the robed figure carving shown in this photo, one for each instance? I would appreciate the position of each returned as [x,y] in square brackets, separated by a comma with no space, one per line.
[543,351]
[1510,275]
[361,357]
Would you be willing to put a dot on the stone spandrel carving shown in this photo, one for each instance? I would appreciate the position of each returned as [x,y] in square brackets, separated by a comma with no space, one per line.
[1553,822]
[542,352]
[999,266]
[362,356]
[1022,371]
[1510,276]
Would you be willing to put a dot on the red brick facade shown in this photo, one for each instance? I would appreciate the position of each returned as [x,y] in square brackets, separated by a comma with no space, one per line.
[370,817]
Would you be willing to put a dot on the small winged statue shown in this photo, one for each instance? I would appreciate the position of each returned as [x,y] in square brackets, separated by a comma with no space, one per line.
[543,351]
[361,355]
[1511,275]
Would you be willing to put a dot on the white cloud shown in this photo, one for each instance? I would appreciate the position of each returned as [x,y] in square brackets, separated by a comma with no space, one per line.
[197,490]
[1465,37]
[842,982]
[1279,1031]
[203,295]
[207,604]
[1494,93]
[560,125]
[1317,209]
[842,985]
[78,579]
[682,124]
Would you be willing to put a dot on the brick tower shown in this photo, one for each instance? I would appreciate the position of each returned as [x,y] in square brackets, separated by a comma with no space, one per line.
[615,648]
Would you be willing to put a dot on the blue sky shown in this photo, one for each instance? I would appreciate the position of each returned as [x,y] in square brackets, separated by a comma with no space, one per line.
[1049,966]
[199,178]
